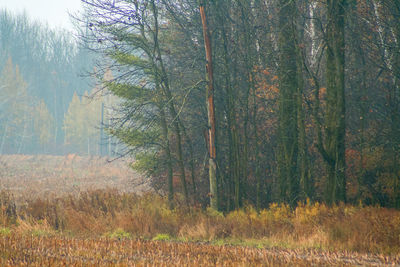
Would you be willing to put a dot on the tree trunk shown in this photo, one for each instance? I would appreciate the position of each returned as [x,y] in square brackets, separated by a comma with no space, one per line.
[288,91]
[169,158]
[305,177]
[211,112]
[335,117]
[192,166]
[164,83]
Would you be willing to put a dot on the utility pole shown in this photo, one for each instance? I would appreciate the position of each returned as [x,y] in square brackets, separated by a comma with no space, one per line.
[102,129]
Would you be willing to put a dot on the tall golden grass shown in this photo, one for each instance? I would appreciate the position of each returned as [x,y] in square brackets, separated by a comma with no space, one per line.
[101,213]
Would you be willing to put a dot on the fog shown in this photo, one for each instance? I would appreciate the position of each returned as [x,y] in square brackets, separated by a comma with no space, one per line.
[45,88]
[52,12]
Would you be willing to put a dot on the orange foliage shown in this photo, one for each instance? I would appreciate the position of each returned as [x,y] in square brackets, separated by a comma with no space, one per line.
[322,92]
[266,84]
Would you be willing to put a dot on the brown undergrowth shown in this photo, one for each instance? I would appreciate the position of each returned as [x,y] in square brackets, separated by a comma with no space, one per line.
[111,214]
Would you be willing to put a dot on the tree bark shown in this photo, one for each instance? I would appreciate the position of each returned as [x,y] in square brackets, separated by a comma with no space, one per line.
[169,158]
[288,91]
[335,117]
[211,111]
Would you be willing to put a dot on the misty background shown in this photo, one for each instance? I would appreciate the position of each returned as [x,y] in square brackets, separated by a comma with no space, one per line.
[45,83]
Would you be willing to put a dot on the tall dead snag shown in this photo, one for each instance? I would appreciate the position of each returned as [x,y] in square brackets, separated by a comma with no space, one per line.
[210,111]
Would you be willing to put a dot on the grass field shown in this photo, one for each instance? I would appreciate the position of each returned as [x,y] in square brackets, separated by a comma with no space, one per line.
[32,176]
[82,211]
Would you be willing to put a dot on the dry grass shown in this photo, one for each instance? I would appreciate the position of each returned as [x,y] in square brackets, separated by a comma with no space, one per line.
[23,250]
[45,176]
[316,226]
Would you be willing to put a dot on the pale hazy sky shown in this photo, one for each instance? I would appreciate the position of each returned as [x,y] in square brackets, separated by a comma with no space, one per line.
[54,12]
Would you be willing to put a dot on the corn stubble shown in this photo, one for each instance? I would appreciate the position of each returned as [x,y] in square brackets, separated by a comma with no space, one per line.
[22,250]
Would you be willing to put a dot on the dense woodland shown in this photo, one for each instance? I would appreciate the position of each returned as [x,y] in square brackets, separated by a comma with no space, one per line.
[231,103]
[299,99]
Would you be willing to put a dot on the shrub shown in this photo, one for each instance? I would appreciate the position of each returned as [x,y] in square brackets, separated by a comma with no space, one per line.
[119,234]
[121,216]
[5,231]
[162,237]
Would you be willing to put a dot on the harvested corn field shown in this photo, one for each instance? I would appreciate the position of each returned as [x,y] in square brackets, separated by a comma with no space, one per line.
[17,250]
